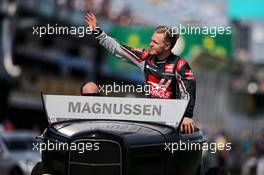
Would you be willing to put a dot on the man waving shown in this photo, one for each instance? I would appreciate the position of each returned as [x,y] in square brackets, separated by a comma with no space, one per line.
[168,76]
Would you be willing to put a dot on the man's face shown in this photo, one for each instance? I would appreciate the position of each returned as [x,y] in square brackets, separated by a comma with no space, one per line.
[158,44]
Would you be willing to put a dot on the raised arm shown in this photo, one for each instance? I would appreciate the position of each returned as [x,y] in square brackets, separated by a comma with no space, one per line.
[122,51]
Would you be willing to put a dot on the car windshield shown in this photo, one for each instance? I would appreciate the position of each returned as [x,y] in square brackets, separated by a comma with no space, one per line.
[19,145]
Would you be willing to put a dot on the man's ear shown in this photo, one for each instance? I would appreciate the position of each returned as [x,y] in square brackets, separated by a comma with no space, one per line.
[167,46]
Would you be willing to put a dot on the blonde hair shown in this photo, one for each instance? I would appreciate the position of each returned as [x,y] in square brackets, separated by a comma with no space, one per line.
[170,35]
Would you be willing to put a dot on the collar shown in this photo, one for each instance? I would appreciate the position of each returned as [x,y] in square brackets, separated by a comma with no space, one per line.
[165,60]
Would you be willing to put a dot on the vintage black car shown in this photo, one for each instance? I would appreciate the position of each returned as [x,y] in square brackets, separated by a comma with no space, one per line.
[117,147]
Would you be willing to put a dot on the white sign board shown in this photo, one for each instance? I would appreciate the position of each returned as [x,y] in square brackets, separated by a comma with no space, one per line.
[115,108]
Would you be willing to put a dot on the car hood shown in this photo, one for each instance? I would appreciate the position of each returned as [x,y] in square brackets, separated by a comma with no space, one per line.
[120,127]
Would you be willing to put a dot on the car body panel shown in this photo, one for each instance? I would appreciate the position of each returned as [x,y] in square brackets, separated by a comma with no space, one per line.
[142,147]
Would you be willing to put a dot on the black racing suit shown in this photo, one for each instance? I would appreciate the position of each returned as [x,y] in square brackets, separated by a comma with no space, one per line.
[168,79]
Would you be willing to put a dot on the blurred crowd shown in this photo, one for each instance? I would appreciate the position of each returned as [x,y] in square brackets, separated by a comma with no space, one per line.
[102,8]
[246,156]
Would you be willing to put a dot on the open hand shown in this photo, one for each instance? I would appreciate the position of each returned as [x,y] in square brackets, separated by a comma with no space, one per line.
[90,20]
